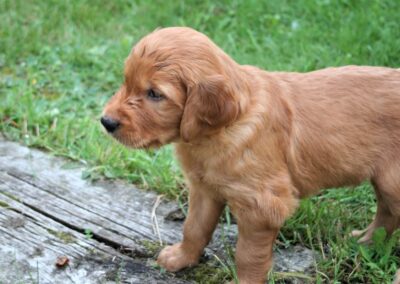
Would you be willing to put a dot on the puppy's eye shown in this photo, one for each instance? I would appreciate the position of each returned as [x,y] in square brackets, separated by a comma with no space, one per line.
[154,96]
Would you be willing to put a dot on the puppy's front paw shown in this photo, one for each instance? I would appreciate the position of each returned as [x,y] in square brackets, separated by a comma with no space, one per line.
[175,257]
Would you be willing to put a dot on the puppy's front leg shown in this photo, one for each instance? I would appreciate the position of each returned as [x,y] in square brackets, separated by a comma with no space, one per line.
[203,215]
[254,251]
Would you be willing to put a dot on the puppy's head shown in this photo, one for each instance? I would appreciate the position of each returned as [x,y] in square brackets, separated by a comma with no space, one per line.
[178,86]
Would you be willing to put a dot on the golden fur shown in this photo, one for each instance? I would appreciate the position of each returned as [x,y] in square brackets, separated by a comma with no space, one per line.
[258,141]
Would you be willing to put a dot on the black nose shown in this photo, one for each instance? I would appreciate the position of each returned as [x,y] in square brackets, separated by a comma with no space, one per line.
[110,124]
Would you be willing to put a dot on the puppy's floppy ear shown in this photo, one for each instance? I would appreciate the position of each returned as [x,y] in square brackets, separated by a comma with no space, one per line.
[210,105]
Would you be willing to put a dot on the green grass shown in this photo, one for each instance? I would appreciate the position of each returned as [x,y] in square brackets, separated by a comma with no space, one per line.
[61,60]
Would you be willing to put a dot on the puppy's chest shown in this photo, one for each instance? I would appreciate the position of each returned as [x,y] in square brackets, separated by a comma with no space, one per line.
[211,175]
[221,172]
[223,169]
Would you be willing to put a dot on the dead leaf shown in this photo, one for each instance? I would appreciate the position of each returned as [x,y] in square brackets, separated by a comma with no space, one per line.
[62,261]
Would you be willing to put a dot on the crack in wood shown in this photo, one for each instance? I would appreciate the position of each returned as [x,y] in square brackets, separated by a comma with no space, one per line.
[45,187]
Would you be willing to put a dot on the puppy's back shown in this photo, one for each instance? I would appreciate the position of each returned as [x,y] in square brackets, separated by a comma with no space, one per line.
[345,120]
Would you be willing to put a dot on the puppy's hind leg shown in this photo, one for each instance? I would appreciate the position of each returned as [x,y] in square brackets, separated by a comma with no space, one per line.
[386,183]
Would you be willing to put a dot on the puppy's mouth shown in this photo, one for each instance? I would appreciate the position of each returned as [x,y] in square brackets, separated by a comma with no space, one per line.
[131,142]
[155,144]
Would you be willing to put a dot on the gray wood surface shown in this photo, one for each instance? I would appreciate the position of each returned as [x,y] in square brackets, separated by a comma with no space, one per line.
[30,244]
[47,211]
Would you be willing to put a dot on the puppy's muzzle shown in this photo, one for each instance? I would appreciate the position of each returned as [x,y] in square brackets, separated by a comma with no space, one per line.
[109,124]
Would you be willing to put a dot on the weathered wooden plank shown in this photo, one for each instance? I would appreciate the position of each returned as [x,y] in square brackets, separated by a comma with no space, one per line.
[63,211]
[30,244]
[123,210]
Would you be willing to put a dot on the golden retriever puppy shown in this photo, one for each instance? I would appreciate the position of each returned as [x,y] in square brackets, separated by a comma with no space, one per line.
[257,141]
